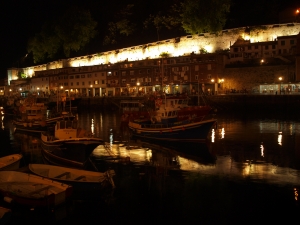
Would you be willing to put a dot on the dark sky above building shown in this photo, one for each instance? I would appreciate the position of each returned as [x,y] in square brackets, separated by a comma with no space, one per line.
[21,19]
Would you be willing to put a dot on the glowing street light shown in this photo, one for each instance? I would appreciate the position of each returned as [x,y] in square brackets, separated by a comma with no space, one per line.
[280,80]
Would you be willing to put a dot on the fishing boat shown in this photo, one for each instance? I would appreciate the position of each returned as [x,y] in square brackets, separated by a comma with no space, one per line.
[61,157]
[172,119]
[81,180]
[155,106]
[68,136]
[184,131]
[10,162]
[32,190]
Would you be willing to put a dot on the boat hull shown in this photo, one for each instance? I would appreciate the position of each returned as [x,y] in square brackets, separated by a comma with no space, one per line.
[183,132]
[10,162]
[33,191]
[81,180]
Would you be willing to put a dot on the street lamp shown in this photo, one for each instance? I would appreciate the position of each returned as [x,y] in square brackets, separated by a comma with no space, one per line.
[280,80]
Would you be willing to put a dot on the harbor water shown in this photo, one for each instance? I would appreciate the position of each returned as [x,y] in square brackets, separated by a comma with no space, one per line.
[247,173]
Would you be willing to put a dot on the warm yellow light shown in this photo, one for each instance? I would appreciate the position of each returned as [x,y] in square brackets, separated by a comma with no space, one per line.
[212,80]
[280,78]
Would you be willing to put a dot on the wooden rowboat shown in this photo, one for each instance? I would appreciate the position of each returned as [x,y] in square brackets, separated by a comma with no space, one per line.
[10,162]
[79,179]
[32,190]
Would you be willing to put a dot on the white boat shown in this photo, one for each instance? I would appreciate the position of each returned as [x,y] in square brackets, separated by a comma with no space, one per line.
[79,179]
[32,190]
[10,162]
[67,136]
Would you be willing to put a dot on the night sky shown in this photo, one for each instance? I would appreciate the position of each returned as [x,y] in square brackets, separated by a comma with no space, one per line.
[21,19]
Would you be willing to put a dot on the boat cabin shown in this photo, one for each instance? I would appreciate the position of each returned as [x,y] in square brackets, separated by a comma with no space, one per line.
[66,129]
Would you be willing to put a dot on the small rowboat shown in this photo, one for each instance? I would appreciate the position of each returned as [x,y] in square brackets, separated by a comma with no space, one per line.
[79,179]
[10,162]
[32,190]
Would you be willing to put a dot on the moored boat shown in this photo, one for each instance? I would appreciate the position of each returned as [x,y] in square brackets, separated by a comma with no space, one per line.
[67,136]
[183,131]
[172,119]
[177,106]
[10,162]
[81,180]
[32,190]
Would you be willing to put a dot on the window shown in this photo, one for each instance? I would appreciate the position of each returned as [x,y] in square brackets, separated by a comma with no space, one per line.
[77,76]
[208,66]
[208,76]
[123,73]
[103,81]
[132,80]
[123,81]
[292,42]
[96,82]
[89,75]
[108,73]
[71,83]
[148,71]
[77,83]
[282,43]
[249,47]
[82,76]
[196,77]
[174,69]
[131,72]
[196,67]
[71,77]
[235,49]
[267,47]
[82,83]
[256,47]
[102,74]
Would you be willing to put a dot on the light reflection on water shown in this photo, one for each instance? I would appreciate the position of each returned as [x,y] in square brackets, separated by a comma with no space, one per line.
[238,150]
[255,149]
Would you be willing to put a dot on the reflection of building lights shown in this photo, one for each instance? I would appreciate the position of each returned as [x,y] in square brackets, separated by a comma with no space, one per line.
[296,194]
[222,133]
[291,129]
[92,127]
[280,138]
[213,135]
[262,150]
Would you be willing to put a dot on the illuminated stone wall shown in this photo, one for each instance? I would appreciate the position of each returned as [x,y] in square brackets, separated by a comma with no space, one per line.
[176,47]
[250,78]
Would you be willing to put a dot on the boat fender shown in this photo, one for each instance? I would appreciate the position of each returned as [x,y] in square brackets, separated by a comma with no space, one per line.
[8,199]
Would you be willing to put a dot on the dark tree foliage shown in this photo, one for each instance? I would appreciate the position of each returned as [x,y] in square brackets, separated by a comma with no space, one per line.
[199,16]
[70,32]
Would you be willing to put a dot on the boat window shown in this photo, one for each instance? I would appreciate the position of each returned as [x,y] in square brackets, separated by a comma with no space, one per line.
[62,125]
[69,124]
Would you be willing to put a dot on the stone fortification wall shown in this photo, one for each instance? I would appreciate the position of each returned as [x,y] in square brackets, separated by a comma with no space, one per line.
[211,42]
[250,78]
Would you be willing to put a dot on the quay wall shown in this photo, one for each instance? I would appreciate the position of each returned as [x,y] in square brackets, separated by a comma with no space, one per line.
[285,103]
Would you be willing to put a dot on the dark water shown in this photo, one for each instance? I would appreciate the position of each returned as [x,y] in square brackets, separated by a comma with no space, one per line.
[248,173]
